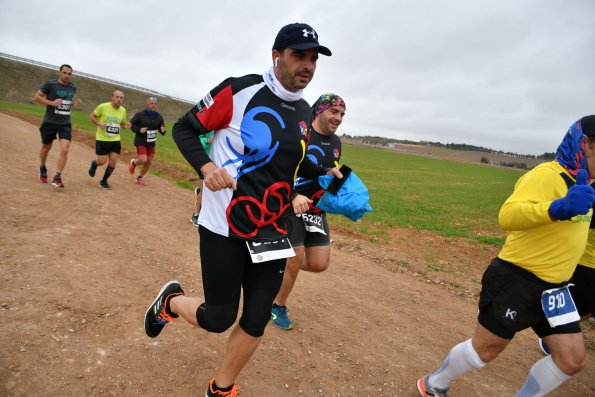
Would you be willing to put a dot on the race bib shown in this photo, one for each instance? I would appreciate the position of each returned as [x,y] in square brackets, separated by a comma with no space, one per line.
[262,251]
[313,223]
[112,129]
[151,135]
[63,108]
[558,306]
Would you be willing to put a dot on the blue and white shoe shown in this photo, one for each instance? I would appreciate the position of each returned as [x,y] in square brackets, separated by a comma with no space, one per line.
[279,317]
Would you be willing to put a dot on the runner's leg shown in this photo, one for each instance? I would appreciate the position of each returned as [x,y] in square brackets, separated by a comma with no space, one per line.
[64,150]
[292,269]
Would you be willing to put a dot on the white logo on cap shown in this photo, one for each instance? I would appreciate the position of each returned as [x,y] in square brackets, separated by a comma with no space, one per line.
[307,32]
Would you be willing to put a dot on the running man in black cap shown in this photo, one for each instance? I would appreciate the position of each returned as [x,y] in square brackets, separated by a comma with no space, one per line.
[261,135]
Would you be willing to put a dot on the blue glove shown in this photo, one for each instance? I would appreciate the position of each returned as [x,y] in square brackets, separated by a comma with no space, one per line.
[578,200]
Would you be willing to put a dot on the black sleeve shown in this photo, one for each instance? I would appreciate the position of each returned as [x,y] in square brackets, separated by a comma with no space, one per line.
[135,119]
[186,135]
[292,195]
[162,123]
[310,170]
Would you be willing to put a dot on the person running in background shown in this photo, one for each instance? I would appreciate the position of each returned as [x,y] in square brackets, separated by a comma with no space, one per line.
[309,233]
[58,96]
[206,141]
[261,134]
[145,124]
[547,226]
[110,118]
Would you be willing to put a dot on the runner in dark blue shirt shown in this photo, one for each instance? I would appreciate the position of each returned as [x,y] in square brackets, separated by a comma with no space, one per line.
[145,124]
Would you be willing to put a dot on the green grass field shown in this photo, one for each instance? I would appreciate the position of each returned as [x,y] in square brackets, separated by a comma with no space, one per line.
[168,151]
[450,198]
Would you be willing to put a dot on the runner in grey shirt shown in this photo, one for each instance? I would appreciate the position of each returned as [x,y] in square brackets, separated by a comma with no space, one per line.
[58,96]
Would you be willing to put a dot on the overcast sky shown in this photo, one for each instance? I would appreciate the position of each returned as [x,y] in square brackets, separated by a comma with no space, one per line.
[509,75]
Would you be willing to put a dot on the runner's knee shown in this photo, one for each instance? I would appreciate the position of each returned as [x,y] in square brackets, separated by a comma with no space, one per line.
[315,266]
[570,361]
[216,318]
[257,312]
[255,323]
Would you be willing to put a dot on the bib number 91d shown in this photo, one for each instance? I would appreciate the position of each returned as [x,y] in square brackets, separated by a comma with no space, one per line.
[556,302]
[558,306]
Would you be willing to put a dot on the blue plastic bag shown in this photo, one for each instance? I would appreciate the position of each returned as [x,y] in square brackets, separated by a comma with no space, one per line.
[352,199]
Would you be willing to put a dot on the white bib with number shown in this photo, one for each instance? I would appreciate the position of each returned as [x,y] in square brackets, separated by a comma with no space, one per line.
[262,251]
[558,306]
[112,129]
[63,108]
[313,223]
[151,135]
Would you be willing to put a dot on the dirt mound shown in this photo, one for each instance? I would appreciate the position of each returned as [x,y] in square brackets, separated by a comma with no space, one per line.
[80,265]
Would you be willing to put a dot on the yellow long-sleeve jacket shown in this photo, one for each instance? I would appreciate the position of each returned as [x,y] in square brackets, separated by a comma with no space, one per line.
[549,249]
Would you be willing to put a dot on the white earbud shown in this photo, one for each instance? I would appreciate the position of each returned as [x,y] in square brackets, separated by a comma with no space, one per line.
[276,61]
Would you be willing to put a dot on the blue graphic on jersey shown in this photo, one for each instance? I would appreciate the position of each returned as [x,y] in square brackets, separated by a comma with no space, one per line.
[299,181]
[257,138]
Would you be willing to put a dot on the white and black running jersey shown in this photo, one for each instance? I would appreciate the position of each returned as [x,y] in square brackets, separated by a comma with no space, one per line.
[324,151]
[261,141]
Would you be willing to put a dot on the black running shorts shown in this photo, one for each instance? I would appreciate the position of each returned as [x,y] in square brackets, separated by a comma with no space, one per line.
[227,272]
[510,301]
[103,148]
[49,131]
[583,291]
[298,236]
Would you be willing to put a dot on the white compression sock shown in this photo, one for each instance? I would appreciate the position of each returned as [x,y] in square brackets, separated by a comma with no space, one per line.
[543,377]
[460,359]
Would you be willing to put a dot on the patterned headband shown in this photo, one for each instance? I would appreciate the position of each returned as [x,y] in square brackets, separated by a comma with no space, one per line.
[326,101]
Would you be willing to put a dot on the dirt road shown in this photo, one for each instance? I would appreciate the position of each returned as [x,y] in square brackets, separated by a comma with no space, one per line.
[80,265]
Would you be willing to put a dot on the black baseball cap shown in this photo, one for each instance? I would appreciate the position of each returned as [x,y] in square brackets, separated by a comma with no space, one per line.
[588,125]
[299,36]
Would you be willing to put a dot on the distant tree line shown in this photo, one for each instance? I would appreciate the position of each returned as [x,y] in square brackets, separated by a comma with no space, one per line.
[512,164]
[382,141]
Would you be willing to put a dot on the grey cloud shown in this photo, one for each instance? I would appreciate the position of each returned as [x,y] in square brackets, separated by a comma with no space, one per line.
[510,75]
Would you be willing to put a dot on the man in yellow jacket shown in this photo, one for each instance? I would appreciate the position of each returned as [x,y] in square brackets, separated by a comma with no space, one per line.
[583,281]
[547,220]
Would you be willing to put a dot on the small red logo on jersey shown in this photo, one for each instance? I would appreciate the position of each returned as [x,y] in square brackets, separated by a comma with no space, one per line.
[336,153]
[304,128]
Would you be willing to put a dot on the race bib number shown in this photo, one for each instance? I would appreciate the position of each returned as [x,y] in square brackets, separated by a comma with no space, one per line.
[313,223]
[151,135]
[63,108]
[558,306]
[112,129]
[262,251]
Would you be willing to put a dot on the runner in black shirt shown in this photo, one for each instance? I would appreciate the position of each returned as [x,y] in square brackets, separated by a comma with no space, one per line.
[309,233]
[261,134]
[58,96]
[145,124]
